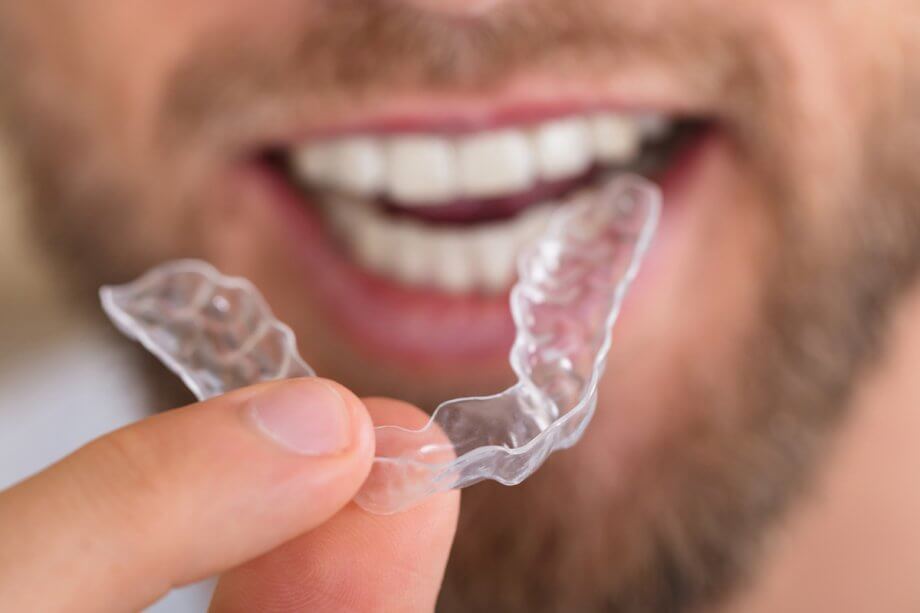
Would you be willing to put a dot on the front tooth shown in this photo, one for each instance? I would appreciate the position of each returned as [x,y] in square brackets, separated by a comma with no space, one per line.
[357,166]
[315,164]
[494,164]
[563,148]
[413,260]
[421,170]
[496,256]
[372,240]
[534,223]
[453,272]
[616,138]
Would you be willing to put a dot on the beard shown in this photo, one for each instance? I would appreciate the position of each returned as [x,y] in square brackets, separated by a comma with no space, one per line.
[687,526]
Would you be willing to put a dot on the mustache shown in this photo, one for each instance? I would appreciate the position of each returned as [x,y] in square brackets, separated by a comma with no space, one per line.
[350,52]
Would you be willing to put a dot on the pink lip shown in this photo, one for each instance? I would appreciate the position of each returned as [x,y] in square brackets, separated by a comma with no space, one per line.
[448,121]
[521,100]
[414,325]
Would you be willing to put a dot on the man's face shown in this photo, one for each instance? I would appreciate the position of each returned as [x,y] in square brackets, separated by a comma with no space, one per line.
[374,167]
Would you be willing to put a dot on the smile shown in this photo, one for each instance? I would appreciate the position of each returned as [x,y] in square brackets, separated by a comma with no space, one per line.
[451,211]
[410,230]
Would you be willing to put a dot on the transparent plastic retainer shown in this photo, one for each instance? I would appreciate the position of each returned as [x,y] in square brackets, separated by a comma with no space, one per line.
[218,334]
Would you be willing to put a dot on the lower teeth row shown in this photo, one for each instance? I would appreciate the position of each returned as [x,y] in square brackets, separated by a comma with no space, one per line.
[455,259]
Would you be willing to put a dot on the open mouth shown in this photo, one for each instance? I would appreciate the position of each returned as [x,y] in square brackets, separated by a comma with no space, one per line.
[410,234]
[450,212]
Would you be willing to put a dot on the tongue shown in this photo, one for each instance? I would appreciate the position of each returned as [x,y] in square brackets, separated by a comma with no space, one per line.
[490,209]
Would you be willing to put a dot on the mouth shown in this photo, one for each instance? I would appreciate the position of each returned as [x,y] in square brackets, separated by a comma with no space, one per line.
[411,232]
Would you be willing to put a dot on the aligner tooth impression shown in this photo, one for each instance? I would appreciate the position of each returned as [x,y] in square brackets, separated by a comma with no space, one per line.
[218,334]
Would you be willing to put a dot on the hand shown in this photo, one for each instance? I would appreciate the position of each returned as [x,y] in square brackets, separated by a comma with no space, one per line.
[258,481]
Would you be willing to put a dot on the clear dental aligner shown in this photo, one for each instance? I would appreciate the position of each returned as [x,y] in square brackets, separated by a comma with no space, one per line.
[217,333]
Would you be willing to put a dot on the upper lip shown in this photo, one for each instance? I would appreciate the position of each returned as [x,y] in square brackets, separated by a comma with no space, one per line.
[466,120]
[519,101]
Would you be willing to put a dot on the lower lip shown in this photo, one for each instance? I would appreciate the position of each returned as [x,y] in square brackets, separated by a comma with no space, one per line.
[390,320]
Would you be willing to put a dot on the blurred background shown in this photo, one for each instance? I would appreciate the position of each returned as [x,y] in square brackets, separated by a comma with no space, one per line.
[63,381]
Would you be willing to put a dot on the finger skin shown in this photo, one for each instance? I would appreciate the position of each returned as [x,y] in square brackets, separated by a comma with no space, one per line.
[357,561]
[165,502]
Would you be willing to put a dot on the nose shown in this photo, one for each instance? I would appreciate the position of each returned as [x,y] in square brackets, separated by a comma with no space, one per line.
[457,7]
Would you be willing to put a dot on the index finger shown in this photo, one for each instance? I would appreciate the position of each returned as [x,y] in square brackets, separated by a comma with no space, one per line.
[181,496]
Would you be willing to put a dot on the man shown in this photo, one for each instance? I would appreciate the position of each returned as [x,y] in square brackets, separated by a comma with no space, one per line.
[373,167]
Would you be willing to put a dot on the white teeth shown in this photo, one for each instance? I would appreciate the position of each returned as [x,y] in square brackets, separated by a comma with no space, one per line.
[358,166]
[616,138]
[456,260]
[495,163]
[495,257]
[352,165]
[414,170]
[534,222]
[421,170]
[314,164]
[408,241]
[453,272]
[431,169]
[563,148]
[358,226]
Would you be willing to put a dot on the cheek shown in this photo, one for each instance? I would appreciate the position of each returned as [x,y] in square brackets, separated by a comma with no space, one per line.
[682,338]
[831,71]
[104,68]
[699,293]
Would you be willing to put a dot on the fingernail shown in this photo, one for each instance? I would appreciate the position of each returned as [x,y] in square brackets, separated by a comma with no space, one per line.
[307,416]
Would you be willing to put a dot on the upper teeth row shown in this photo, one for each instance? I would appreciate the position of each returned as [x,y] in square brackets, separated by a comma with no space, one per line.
[423,169]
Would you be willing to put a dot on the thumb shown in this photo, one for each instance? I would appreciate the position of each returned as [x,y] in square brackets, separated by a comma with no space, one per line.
[355,561]
[181,496]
